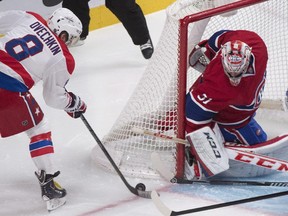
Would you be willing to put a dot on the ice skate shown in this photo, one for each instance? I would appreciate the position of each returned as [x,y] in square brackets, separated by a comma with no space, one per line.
[51,191]
[147,49]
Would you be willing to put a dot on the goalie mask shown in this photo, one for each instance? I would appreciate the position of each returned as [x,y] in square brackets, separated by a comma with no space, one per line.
[65,21]
[235,60]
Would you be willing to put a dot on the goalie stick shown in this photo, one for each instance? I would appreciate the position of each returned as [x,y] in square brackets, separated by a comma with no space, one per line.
[140,193]
[233,154]
[169,176]
[168,212]
[231,182]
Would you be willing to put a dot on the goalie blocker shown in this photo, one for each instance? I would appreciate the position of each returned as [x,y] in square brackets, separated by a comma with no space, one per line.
[209,152]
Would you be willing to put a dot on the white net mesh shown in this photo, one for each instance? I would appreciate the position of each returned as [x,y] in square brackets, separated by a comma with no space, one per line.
[154,103]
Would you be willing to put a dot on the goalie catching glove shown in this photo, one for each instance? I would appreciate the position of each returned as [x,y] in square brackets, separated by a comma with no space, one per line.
[76,107]
[198,58]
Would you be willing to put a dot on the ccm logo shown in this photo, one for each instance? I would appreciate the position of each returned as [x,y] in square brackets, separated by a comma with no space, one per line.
[213,145]
[264,162]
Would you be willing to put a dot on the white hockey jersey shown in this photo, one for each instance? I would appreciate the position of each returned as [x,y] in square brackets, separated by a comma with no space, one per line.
[30,52]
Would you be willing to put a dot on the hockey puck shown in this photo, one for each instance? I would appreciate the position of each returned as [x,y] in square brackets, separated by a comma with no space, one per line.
[141,187]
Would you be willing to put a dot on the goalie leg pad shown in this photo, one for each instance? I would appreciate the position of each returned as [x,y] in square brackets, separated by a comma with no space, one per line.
[208,151]
[192,166]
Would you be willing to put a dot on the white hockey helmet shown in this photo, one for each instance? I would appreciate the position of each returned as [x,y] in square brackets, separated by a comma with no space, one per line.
[64,20]
[235,60]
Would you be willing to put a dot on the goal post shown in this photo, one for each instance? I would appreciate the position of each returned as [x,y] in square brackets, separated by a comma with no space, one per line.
[158,101]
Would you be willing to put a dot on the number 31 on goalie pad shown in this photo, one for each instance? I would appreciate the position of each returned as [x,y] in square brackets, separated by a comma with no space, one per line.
[209,151]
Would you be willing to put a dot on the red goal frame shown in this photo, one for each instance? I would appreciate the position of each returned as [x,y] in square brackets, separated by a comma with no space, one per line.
[182,69]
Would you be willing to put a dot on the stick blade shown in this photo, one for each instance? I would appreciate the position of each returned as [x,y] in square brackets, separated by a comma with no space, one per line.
[159,166]
[160,205]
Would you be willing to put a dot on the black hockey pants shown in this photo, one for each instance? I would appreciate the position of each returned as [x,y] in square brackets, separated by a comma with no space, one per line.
[132,18]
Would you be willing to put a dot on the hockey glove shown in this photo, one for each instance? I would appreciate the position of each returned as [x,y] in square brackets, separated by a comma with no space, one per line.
[197,58]
[76,106]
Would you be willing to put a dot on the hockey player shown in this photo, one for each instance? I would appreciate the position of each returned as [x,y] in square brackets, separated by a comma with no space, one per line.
[34,50]
[227,94]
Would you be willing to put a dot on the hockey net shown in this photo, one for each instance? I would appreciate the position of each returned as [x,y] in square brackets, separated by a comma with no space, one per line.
[157,103]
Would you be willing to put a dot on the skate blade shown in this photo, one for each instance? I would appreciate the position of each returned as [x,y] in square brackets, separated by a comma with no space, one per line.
[55,203]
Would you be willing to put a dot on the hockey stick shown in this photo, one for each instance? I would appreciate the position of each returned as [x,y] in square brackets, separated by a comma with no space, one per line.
[231,182]
[169,176]
[233,154]
[168,212]
[139,192]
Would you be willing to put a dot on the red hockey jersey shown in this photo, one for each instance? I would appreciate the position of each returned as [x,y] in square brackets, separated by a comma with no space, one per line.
[213,99]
